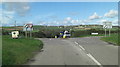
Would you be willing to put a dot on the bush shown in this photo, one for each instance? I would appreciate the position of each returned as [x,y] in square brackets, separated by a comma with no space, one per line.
[38,34]
[5,32]
[80,33]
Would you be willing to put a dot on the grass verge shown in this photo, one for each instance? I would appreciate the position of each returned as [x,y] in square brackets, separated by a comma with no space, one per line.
[18,51]
[91,35]
[112,39]
[0,50]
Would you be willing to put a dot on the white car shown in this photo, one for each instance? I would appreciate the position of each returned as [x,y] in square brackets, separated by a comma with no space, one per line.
[67,35]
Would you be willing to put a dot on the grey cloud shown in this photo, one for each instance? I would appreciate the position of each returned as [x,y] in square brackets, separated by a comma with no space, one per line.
[21,8]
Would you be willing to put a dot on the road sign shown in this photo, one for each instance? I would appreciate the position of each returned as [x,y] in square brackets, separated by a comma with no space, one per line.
[28,27]
[15,34]
[94,33]
[107,25]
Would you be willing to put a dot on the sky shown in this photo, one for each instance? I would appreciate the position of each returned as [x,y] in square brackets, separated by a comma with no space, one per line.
[58,13]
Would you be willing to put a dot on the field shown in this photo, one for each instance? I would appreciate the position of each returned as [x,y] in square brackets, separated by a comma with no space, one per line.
[18,51]
[52,31]
[114,38]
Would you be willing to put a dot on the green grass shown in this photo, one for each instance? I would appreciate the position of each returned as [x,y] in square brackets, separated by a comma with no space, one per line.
[91,35]
[0,49]
[18,51]
[112,39]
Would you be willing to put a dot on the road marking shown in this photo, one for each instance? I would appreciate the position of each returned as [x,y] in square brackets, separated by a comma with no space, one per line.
[94,59]
[80,46]
[76,43]
[49,39]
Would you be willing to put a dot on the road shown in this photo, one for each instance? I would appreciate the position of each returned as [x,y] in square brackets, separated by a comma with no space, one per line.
[76,51]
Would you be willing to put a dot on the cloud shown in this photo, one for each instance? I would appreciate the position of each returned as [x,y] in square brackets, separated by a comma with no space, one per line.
[111,14]
[8,12]
[26,7]
[115,22]
[6,16]
[21,8]
[5,20]
[1,1]
[73,13]
[68,19]
[86,21]
[53,16]
[94,16]
[74,21]
[103,20]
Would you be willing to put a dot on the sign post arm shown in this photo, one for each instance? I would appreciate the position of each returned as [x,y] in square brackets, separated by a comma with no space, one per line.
[109,32]
[105,32]
[30,34]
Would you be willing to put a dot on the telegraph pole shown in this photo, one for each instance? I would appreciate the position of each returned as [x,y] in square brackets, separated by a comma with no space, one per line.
[30,34]
[15,25]
[109,32]
[105,32]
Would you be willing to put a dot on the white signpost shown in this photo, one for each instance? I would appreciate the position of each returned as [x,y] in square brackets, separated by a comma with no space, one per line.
[15,34]
[28,27]
[107,25]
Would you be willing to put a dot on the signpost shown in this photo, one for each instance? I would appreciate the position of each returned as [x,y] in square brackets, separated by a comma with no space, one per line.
[107,25]
[28,28]
[15,34]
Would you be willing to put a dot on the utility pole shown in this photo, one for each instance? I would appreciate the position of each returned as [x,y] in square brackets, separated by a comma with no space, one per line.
[105,32]
[109,32]
[15,25]
[14,20]
[30,34]
[26,34]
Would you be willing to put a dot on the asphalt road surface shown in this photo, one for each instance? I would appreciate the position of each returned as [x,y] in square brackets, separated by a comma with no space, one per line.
[76,51]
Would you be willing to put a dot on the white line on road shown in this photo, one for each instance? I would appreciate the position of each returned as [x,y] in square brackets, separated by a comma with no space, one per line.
[94,59]
[89,55]
[76,43]
[81,47]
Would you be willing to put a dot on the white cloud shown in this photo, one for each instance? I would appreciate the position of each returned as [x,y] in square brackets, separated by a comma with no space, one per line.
[26,7]
[30,22]
[101,21]
[115,22]
[85,21]
[6,16]
[111,14]
[8,12]
[21,8]
[61,0]
[74,21]
[94,16]
[4,20]
[65,22]
[68,19]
